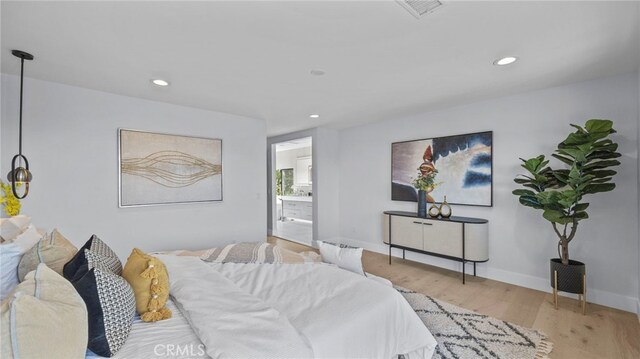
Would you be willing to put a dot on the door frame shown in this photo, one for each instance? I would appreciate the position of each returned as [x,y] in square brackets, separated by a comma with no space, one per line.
[271,178]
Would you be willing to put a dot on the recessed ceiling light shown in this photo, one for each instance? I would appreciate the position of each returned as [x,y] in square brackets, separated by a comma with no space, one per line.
[505,60]
[317,72]
[160,82]
[314,115]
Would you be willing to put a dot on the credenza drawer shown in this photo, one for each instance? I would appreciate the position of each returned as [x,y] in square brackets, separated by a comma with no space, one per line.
[443,238]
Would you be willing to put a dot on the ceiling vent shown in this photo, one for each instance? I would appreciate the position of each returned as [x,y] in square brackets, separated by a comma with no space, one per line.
[419,8]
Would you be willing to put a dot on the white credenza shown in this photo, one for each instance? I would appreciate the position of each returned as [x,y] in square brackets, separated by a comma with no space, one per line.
[297,207]
[462,239]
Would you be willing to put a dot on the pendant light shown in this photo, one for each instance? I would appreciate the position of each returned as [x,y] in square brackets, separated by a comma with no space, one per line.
[19,174]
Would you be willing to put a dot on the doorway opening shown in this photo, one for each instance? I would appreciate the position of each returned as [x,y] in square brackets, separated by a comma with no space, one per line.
[292,190]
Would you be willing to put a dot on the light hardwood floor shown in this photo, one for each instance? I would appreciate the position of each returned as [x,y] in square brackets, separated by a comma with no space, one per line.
[602,333]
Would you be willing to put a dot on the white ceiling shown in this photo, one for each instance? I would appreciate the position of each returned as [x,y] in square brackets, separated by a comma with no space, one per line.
[254,58]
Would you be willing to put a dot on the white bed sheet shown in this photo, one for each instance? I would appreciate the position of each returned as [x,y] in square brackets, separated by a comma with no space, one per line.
[343,314]
[169,338]
[295,290]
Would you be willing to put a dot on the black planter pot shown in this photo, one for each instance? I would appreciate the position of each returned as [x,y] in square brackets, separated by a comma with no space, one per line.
[570,276]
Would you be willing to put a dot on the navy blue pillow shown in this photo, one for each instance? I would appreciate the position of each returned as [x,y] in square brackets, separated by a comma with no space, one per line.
[79,260]
[111,306]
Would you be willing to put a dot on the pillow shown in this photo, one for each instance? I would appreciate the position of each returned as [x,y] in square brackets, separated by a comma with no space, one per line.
[10,255]
[149,279]
[53,249]
[11,227]
[43,318]
[111,307]
[345,257]
[95,245]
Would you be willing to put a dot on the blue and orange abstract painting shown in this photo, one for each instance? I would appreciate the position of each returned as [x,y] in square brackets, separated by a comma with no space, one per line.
[463,163]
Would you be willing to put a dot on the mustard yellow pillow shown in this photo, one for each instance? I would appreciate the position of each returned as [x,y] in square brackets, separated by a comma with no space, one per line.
[149,279]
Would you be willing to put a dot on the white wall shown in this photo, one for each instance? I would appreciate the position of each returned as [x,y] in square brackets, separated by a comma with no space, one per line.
[521,241]
[70,139]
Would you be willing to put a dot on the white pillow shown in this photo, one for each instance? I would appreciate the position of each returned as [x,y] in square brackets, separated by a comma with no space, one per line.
[10,255]
[345,257]
[10,228]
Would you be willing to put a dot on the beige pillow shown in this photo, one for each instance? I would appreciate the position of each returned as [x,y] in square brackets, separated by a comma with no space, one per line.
[53,249]
[44,317]
[10,228]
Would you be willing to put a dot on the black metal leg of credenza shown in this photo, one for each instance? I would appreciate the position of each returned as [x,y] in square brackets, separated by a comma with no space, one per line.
[403,254]
[463,260]
[474,269]
[389,254]
[463,265]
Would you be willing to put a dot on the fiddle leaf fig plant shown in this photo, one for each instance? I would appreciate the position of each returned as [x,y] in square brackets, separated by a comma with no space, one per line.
[588,154]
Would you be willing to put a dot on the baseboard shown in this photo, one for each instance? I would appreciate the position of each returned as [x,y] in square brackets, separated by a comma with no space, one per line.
[613,300]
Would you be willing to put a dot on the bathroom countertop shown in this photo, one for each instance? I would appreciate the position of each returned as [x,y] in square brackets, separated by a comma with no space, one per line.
[296,198]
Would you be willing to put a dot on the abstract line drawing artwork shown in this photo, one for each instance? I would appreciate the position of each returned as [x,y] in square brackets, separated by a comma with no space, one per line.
[463,168]
[160,168]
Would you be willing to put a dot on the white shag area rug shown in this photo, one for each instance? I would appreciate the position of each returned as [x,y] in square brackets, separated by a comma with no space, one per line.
[464,334]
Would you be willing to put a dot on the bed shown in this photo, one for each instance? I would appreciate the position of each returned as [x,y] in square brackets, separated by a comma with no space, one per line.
[255,307]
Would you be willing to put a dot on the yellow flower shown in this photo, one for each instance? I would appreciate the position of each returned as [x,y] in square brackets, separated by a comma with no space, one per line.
[11,203]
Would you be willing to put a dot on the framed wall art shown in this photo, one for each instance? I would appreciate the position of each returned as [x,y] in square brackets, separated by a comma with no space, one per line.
[462,167]
[157,169]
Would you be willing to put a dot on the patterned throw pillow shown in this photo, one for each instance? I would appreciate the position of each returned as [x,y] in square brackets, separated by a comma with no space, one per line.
[345,257]
[111,307]
[98,247]
[53,249]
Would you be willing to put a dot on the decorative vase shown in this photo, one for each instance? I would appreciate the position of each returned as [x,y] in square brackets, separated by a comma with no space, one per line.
[445,209]
[434,211]
[422,204]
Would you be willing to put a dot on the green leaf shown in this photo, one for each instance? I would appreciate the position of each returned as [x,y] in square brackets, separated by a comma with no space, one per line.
[580,215]
[576,139]
[602,180]
[602,155]
[574,153]
[601,164]
[530,202]
[523,192]
[521,180]
[556,217]
[596,125]
[602,143]
[533,186]
[580,207]
[599,187]
[579,128]
[602,173]
[534,165]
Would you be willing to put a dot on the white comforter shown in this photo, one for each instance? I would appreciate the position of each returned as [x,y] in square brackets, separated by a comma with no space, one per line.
[294,311]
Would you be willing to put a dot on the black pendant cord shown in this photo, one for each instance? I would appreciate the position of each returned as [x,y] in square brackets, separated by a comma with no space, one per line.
[21,86]
[20,174]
